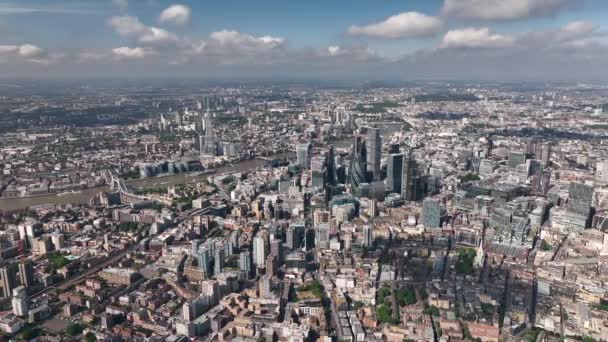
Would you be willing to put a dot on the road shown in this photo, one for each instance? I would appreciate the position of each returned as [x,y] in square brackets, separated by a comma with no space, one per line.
[82,276]
[109,261]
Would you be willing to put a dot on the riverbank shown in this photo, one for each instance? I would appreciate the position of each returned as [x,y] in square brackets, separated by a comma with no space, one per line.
[83,197]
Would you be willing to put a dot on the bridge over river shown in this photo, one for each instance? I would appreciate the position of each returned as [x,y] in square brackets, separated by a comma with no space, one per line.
[83,196]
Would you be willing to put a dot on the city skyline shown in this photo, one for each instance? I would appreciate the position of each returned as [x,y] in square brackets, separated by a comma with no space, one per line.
[358,40]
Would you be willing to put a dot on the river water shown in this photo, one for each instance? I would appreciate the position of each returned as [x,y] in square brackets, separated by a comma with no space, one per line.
[12,204]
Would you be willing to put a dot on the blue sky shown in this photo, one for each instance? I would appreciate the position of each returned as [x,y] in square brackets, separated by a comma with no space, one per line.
[472,39]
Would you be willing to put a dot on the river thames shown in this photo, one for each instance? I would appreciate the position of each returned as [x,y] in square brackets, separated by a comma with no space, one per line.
[83,196]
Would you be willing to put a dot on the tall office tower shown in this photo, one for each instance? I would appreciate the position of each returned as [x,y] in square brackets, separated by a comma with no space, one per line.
[374,152]
[545,183]
[515,159]
[489,145]
[19,301]
[531,145]
[290,237]
[245,262]
[163,123]
[204,260]
[228,249]
[272,264]
[203,124]
[348,241]
[220,257]
[234,240]
[580,198]
[534,167]
[431,213]
[178,119]
[318,172]
[545,155]
[201,144]
[358,169]
[211,289]
[210,246]
[26,273]
[7,280]
[322,236]
[276,248]
[368,238]
[294,235]
[304,154]
[409,173]
[265,286]
[536,173]
[332,170]
[58,241]
[210,143]
[259,249]
[394,172]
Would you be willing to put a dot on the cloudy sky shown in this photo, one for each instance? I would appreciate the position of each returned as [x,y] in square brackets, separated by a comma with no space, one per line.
[306,39]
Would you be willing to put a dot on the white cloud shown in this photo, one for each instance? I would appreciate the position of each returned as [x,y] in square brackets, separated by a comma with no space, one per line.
[126,52]
[403,25]
[176,14]
[8,8]
[27,51]
[7,49]
[333,50]
[234,40]
[155,35]
[575,30]
[195,47]
[503,9]
[573,34]
[128,26]
[230,45]
[475,38]
[30,51]
[357,53]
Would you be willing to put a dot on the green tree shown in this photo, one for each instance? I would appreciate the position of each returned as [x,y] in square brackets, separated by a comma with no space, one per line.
[544,245]
[383,292]
[469,177]
[29,333]
[432,310]
[406,296]
[383,314]
[90,337]
[487,309]
[466,256]
[73,329]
